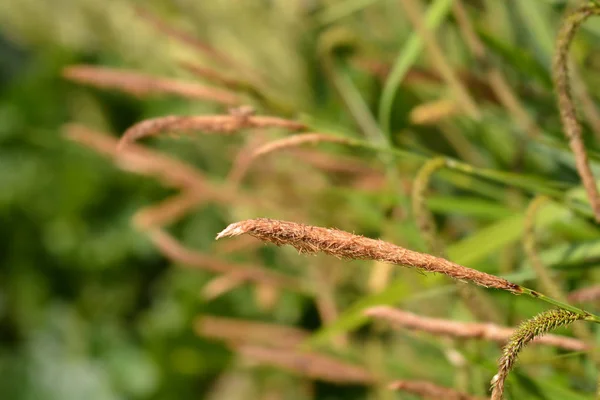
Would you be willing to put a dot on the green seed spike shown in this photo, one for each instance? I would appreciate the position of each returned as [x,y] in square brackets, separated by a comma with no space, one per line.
[525,333]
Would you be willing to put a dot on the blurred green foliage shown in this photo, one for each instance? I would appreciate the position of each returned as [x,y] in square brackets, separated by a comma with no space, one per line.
[89,309]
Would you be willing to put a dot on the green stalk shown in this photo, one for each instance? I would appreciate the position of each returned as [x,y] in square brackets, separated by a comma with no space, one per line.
[530,184]
[537,295]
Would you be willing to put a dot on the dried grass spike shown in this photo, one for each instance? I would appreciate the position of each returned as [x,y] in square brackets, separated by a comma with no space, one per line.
[429,390]
[525,333]
[208,123]
[312,239]
[568,114]
[465,330]
[296,140]
[143,85]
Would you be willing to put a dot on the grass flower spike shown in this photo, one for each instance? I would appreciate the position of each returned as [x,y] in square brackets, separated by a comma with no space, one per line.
[313,239]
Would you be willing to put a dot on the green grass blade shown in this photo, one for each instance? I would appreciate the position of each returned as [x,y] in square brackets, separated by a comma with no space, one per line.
[468,206]
[491,239]
[406,58]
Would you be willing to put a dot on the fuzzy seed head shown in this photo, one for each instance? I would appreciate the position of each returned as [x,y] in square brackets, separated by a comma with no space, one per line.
[313,239]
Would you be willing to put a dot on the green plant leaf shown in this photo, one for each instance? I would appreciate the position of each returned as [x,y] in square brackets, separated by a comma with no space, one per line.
[407,56]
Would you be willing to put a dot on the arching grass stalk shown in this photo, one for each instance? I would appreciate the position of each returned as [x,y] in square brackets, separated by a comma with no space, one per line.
[422,215]
[568,114]
[525,333]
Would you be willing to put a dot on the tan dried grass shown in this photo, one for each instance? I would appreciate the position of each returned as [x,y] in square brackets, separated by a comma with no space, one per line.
[568,114]
[465,330]
[224,124]
[142,85]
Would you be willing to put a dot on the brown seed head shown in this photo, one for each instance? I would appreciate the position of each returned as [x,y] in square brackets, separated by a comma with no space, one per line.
[312,239]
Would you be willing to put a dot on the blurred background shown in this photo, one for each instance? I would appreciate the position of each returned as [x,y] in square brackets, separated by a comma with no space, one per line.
[92,307]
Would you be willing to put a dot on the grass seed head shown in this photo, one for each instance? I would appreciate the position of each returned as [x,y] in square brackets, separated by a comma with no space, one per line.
[525,333]
[312,239]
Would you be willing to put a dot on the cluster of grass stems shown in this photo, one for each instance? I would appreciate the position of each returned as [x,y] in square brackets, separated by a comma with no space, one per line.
[282,346]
